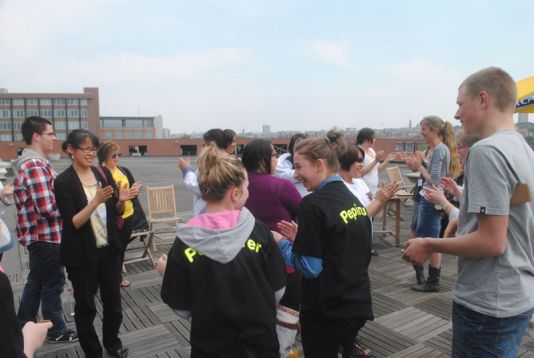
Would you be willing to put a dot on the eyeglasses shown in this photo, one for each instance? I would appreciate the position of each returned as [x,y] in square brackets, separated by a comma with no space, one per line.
[87,150]
[116,155]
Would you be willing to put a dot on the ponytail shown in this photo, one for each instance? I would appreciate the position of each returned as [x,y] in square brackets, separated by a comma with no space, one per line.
[328,148]
[218,172]
[447,133]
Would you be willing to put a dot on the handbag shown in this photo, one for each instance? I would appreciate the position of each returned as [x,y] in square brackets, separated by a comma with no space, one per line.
[120,219]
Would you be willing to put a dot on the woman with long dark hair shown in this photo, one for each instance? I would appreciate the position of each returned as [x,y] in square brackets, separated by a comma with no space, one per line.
[90,205]
[273,200]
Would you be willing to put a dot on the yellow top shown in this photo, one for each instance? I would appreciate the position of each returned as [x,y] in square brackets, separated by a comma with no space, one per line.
[98,217]
[119,176]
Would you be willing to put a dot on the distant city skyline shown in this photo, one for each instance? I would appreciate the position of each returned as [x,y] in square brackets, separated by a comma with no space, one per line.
[240,64]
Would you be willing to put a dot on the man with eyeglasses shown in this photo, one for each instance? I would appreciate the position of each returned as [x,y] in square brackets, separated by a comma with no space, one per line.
[39,229]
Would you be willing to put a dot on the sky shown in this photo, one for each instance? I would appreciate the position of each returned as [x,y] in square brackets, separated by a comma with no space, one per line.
[240,64]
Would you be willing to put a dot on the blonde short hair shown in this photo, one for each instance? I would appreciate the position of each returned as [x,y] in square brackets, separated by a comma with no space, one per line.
[497,82]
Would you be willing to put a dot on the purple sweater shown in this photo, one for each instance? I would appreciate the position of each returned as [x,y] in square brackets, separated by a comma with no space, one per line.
[272,199]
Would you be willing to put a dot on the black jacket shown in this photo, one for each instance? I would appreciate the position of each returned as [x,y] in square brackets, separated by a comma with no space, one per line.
[78,246]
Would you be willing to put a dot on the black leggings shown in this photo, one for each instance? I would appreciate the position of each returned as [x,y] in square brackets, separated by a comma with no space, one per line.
[124,235]
[321,338]
[293,291]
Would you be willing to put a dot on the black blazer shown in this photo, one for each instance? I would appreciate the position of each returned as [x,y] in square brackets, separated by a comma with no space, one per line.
[78,246]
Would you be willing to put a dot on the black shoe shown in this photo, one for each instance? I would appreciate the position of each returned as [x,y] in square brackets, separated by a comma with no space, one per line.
[67,337]
[120,353]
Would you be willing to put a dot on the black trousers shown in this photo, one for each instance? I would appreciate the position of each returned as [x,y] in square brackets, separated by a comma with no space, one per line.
[322,339]
[293,291]
[124,234]
[85,282]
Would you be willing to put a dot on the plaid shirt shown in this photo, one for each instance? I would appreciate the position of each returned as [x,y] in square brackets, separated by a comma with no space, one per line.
[38,217]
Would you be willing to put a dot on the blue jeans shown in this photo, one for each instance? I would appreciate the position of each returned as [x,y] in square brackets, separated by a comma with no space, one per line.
[44,285]
[427,220]
[477,335]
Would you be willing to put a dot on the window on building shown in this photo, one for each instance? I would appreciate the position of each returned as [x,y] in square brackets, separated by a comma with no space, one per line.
[118,135]
[5,125]
[138,135]
[47,113]
[59,102]
[60,124]
[150,135]
[16,125]
[73,113]
[84,113]
[129,135]
[74,125]
[46,102]
[111,123]
[73,101]
[18,113]
[85,125]
[149,123]
[133,123]
[61,135]
[59,113]
[83,102]
[5,101]
[18,102]
[5,113]
[18,137]
[109,135]
[32,112]
[32,102]
[6,137]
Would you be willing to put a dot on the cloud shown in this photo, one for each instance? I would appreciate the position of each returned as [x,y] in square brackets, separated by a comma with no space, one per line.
[330,52]
[110,69]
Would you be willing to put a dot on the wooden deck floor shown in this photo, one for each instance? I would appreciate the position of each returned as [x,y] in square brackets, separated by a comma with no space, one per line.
[407,323]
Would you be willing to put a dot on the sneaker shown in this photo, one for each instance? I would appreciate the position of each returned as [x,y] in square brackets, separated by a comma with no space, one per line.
[67,337]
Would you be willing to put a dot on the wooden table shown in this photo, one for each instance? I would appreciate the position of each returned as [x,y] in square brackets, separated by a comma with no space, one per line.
[385,229]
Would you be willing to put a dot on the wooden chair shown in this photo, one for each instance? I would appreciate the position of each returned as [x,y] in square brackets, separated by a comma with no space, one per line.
[395,176]
[161,211]
[146,238]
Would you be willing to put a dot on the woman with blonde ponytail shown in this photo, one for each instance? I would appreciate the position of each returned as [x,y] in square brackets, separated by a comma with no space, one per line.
[224,270]
[442,162]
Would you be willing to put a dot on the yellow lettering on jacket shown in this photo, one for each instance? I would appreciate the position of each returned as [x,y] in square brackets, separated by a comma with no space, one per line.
[250,244]
[352,213]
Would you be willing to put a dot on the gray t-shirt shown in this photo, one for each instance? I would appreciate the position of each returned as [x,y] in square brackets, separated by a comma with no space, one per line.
[438,165]
[500,286]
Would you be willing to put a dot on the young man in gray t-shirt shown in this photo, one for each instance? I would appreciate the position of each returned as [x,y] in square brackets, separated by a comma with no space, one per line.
[494,293]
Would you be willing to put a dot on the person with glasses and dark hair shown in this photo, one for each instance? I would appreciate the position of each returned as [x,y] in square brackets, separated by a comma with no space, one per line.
[351,165]
[39,229]
[109,156]
[90,205]
[272,200]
